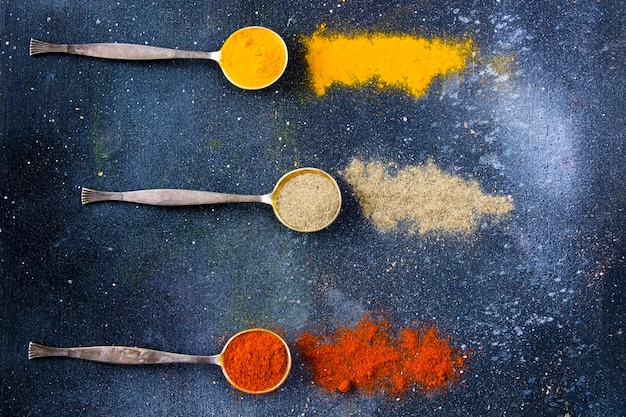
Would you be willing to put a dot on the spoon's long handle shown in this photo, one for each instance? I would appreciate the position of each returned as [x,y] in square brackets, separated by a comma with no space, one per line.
[169,197]
[121,355]
[118,51]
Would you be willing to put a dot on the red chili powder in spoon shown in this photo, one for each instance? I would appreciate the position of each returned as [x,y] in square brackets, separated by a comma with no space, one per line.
[256,361]
[374,358]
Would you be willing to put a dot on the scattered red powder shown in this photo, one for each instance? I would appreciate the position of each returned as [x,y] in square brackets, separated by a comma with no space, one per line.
[344,386]
[372,358]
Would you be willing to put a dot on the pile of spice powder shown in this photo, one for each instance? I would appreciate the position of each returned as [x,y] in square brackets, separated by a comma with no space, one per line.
[423,198]
[255,361]
[308,202]
[377,359]
[253,57]
[400,61]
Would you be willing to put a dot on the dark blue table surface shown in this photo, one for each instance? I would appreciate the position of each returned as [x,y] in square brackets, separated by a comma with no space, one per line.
[538,298]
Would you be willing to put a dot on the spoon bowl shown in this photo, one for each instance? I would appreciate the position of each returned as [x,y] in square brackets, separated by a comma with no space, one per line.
[274,360]
[304,200]
[251,58]
[268,352]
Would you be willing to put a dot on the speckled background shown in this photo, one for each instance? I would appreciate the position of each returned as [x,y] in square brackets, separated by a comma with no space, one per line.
[538,299]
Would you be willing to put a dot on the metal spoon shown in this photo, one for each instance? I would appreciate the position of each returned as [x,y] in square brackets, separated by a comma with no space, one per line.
[233,50]
[124,355]
[173,197]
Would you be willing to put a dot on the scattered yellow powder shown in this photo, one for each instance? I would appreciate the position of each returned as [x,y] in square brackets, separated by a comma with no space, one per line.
[503,63]
[399,61]
[422,198]
[500,70]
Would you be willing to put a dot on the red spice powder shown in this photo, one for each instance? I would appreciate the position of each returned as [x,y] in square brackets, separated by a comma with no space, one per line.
[370,357]
[256,360]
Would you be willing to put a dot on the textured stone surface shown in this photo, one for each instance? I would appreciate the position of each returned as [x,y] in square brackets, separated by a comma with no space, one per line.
[537,300]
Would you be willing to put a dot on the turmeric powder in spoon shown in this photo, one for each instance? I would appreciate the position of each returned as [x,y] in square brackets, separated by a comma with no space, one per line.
[253,57]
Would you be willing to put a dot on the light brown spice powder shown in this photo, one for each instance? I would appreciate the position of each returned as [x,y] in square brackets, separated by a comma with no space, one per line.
[308,202]
[423,199]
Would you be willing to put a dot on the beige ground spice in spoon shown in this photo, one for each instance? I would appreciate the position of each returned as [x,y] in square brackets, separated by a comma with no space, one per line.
[424,199]
[308,201]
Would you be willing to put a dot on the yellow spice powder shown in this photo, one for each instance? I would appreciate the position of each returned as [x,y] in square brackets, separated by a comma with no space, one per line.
[399,61]
[253,57]
[423,199]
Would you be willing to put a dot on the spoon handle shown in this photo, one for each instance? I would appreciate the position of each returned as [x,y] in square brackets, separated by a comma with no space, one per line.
[121,355]
[118,51]
[168,197]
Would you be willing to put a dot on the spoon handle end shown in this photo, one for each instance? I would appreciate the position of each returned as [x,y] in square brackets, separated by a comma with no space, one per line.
[36,350]
[41,47]
[88,195]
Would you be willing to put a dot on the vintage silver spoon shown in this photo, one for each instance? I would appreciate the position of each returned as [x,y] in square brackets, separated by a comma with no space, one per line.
[303,215]
[124,355]
[253,57]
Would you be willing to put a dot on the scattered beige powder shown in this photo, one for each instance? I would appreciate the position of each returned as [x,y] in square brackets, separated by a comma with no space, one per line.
[423,199]
[308,202]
